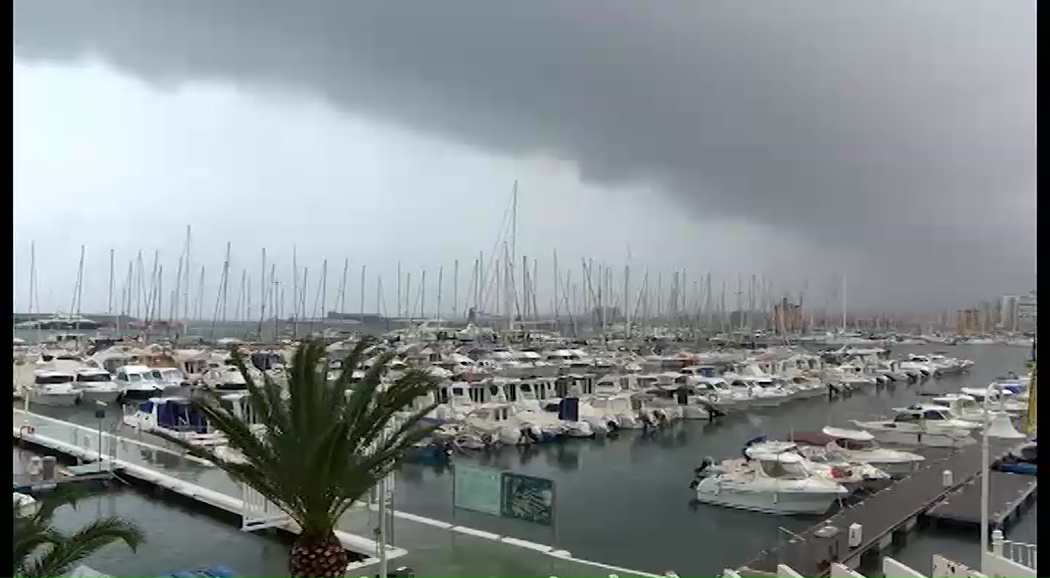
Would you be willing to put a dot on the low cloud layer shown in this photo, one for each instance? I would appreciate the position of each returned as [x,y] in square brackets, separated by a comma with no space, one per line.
[900,132]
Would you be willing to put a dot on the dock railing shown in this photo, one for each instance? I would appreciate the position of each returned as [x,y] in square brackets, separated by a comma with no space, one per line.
[1013,553]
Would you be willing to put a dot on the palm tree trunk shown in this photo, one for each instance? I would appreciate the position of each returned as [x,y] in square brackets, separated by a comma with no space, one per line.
[318,557]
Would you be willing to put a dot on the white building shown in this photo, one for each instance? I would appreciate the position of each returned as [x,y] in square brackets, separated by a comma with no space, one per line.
[1026,313]
[1008,313]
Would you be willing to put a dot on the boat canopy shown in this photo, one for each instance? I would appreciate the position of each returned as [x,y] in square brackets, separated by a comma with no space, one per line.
[849,434]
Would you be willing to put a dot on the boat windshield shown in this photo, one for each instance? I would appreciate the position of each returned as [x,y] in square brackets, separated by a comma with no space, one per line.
[849,444]
[784,470]
[53,379]
[94,378]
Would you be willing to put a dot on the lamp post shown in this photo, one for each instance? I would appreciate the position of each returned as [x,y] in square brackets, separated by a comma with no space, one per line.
[993,389]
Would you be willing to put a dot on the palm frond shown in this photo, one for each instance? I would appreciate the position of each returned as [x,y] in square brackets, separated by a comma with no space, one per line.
[33,533]
[66,550]
[322,449]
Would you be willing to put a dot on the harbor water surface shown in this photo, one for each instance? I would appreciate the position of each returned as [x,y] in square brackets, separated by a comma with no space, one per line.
[622,500]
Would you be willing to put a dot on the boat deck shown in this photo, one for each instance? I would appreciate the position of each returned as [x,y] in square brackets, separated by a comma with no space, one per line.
[88,474]
[1006,494]
[895,508]
[430,547]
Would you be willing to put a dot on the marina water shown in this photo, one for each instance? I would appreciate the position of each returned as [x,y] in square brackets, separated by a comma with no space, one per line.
[623,500]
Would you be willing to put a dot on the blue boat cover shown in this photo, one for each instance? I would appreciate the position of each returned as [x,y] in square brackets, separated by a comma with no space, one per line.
[210,572]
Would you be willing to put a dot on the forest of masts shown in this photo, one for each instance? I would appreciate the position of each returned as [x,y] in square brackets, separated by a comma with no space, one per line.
[501,291]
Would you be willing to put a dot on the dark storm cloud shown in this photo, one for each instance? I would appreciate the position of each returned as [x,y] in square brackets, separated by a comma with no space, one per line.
[903,131]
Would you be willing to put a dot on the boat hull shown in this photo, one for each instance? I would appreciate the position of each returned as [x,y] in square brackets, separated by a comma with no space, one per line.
[781,503]
[92,396]
[924,438]
[63,399]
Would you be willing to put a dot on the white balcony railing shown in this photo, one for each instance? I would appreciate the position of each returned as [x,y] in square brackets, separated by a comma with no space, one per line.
[1016,552]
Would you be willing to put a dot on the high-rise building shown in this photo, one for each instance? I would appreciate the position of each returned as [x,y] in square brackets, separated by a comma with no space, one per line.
[788,318]
[1008,313]
[1026,313]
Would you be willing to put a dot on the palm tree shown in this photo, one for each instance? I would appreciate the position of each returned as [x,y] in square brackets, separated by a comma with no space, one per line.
[42,551]
[323,448]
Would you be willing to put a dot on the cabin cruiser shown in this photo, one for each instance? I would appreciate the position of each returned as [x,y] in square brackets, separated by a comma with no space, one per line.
[718,394]
[966,407]
[922,425]
[615,408]
[851,475]
[173,416]
[136,382]
[224,377]
[773,483]
[173,378]
[95,386]
[921,364]
[857,447]
[52,388]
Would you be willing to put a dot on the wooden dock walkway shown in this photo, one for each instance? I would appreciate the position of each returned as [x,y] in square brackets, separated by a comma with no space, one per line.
[1006,494]
[895,509]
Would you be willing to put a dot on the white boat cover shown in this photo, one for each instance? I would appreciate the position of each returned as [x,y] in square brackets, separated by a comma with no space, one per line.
[849,434]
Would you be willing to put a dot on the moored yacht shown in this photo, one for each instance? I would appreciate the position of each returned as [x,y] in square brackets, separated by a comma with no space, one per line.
[921,425]
[773,483]
[95,386]
[856,446]
[53,388]
[136,382]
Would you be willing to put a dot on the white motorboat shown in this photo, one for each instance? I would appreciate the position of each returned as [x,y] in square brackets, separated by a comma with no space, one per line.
[921,364]
[715,391]
[922,425]
[774,483]
[857,447]
[52,388]
[966,407]
[851,476]
[173,416]
[616,408]
[96,386]
[136,382]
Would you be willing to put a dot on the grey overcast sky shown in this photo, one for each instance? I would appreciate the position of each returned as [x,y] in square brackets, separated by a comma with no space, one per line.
[890,141]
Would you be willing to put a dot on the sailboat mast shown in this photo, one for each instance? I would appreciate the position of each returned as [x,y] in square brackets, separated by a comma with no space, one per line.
[441,281]
[361,308]
[455,289]
[186,290]
[843,302]
[342,286]
[109,306]
[32,275]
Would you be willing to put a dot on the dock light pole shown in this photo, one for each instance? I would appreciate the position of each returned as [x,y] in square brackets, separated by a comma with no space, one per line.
[993,389]
[100,414]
